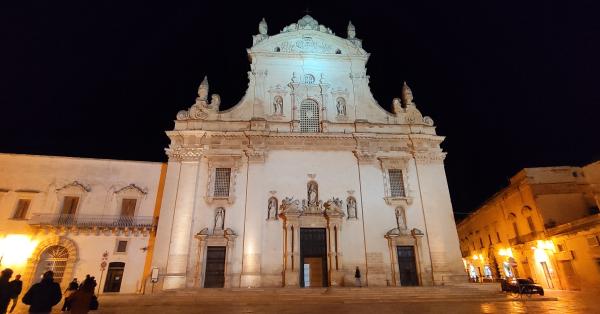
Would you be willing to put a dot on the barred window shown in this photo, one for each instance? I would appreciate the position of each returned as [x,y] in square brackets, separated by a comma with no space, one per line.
[121,246]
[396,183]
[22,208]
[309,79]
[222,177]
[309,116]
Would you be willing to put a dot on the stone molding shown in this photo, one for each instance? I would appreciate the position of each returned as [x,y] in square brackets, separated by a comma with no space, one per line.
[429,157]
[184,153]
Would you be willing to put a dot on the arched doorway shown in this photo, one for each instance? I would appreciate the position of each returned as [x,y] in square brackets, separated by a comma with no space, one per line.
[309,116]
[53,258]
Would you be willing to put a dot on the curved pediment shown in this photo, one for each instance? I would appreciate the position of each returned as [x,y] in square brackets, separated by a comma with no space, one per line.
[306,36]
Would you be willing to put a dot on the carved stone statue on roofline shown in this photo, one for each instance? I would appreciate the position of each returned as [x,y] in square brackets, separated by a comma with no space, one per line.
[201,109]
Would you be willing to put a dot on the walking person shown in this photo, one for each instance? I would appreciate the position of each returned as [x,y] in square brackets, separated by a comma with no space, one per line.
[357,277]
[73,286]
[5,293]
[43,295]
[16,286]
[84,300]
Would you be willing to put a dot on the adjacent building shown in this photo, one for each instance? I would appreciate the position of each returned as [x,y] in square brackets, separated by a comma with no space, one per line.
[545,225]
[78,216]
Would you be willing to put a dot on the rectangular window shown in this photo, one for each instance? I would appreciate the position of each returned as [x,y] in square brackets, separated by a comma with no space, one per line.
[530,223]
[22,209]
[498,236]
[490,239]
[222,177]
[516,229]
[593,241]
[396,183]
[70,205]
[121,246]
[481,243]
[128,207]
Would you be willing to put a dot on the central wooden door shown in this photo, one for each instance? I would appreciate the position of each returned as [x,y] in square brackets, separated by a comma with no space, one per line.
[408,266]
[215,267]
[313,257]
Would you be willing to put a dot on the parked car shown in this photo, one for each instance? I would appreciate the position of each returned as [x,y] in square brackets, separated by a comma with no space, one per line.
[524,286]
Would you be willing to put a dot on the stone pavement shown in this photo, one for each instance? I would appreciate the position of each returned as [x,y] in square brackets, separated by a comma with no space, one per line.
[447,300]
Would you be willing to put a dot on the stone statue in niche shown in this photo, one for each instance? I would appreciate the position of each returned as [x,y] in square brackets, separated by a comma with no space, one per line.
[272,208]
[341,106]
[313,193]
[351,207]
[278,105]
[219,219]
[400,218]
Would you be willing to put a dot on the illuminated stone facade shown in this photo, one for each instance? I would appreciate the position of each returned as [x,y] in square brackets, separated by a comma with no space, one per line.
[544,225]
[306,147]
[63,214]
[304,180]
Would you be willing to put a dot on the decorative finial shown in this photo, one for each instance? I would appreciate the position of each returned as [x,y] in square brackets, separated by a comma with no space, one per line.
[203,89]
[262,27]
[351,30]
[407,96]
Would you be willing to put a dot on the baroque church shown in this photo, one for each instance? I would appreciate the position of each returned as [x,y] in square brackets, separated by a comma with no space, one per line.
[302,182]
[306,178]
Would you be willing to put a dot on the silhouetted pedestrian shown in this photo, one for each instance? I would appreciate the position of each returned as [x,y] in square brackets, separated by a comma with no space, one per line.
[16,286]
[73,286]
[43,295]
[84,300]
[5,293]
[357,277]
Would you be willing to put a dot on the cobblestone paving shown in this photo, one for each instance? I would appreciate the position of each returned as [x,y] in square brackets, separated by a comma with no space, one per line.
[566,302]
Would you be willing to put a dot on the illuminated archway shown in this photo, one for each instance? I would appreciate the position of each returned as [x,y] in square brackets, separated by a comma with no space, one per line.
[56,250]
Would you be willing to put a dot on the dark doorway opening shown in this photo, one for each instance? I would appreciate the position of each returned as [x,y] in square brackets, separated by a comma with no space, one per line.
[313,257]
[215,267]
[114,277]
[407,266]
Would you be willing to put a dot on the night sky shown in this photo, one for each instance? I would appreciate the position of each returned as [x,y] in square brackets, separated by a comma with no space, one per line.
[511,84]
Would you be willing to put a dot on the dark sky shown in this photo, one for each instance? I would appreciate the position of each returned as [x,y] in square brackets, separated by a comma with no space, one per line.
[511,84]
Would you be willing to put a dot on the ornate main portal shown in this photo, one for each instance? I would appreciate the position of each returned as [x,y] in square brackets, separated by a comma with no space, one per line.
[312,256]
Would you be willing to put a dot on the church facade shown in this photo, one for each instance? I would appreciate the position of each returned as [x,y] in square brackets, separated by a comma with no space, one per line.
[306,179]
[303,182]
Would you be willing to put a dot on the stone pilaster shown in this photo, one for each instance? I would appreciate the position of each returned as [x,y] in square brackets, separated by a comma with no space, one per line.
[175,277]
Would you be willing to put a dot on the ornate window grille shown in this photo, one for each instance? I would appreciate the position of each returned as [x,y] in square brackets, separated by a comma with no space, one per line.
[309,116]
[222,179]
[396,183]
[55,260]
[309,79]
